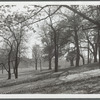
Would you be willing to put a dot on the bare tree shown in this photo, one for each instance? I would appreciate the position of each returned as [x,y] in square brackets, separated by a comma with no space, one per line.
[35,54]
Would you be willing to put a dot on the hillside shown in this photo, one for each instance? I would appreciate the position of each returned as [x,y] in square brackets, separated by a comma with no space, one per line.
[86,80]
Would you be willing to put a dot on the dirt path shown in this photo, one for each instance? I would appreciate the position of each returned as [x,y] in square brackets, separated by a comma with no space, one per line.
[81,75]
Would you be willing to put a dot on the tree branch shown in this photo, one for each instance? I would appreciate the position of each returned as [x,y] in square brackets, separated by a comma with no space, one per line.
[82,15]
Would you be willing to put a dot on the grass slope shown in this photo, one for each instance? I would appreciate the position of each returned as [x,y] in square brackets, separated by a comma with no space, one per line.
[48,82]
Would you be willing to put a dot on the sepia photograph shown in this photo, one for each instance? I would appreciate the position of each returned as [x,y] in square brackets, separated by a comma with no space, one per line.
[49,48]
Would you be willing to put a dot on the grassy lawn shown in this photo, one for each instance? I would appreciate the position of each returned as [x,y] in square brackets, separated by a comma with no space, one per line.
[47,81]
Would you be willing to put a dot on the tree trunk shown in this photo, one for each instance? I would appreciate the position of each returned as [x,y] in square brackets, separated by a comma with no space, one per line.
[13,68]
[71,62]
[95,56]
[99,53]
[9,69]
[2,69]
[16,73]
[40,65]
[16,69]
[77,48]
[50,63]
[82,59]
[56,52]
[76,42]
[55,48]
[88,54]
[16,63]
[35,64]
[98,41]
[9,72]
[9,75]
[95,53]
